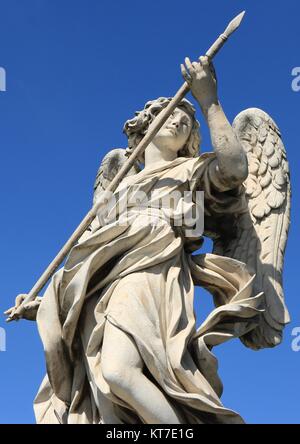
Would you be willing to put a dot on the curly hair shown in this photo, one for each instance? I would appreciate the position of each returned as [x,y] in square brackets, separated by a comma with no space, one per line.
[136,128]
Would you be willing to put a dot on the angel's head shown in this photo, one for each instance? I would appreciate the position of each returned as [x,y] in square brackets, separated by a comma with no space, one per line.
[180,132]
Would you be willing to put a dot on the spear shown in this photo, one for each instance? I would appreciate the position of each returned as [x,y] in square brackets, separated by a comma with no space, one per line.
[152,131]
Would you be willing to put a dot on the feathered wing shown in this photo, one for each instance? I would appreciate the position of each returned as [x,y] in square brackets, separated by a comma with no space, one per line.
[262,229]
[109,167]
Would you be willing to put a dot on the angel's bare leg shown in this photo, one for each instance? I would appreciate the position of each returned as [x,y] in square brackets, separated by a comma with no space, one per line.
[122,366]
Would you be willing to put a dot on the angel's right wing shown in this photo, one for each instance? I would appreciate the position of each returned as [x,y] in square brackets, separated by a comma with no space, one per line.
[109,167]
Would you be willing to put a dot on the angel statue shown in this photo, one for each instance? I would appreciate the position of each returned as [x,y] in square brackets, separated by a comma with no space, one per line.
[117,320]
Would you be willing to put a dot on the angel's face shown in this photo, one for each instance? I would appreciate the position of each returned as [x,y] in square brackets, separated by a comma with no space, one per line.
[175,132]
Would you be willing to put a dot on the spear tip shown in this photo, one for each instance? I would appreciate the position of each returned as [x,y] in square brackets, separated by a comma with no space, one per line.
[234,24]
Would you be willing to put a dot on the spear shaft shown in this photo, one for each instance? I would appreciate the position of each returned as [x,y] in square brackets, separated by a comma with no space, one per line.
[153,129]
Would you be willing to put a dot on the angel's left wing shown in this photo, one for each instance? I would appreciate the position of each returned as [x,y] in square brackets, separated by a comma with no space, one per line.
[262,229]
[110,165]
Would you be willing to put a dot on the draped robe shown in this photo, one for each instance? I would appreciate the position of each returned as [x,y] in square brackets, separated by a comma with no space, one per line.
[140,277]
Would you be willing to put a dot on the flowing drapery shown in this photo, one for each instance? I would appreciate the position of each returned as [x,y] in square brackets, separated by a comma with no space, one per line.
[140,277]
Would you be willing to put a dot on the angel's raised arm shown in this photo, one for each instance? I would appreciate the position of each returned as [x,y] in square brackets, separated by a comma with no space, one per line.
[230,167]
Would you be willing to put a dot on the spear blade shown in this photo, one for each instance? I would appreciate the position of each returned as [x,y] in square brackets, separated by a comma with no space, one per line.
[232,26]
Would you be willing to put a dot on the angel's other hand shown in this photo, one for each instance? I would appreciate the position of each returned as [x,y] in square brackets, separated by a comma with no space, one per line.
[201,79]
[30,309]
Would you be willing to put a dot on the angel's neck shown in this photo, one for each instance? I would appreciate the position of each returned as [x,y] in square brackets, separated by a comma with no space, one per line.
[155,155]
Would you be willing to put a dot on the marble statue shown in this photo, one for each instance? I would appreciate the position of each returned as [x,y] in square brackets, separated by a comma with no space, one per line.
[117,320]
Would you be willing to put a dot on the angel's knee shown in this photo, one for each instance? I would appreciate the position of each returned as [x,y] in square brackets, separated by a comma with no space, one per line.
[120,378]
[121,362]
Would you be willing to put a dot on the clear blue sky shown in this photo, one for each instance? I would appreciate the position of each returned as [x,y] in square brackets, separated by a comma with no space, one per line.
[76,70]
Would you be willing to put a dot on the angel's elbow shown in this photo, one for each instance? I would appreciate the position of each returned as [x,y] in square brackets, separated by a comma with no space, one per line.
[239,166]
[235,173]
[241,172]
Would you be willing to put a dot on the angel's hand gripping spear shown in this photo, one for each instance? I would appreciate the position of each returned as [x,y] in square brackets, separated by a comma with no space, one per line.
[18,311]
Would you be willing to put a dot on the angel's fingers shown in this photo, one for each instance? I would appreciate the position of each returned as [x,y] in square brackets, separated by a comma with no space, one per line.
[9,311]
[189,65]
[19,299]
[197,67]
[185,75]
[204,61]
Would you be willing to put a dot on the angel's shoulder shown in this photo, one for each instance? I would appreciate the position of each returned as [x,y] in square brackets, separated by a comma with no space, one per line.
[197,165]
